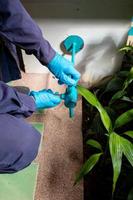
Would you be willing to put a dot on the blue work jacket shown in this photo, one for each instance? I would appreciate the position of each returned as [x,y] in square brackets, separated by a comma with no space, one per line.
[19,31]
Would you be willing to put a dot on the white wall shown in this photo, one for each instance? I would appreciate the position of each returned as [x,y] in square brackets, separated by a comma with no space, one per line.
[102,37]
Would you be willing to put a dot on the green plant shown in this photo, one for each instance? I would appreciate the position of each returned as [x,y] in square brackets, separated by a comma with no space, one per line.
[110,128]
[127,48]
[116,142]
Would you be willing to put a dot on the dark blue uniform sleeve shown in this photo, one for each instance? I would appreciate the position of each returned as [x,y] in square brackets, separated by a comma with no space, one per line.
[15,103]
[18,27]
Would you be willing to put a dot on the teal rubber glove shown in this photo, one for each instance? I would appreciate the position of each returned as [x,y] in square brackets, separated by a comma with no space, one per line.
[45,99]
[63,70]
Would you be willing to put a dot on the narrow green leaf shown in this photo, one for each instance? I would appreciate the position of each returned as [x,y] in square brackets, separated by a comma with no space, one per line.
[94,143]
[127,48]
[129,133]
[116,96]
[90,97]
[127,148]
[116,156]
[129,79]
[124,118]
[88,166]
[105,118]
[124,98]
[114,84]
[123,73]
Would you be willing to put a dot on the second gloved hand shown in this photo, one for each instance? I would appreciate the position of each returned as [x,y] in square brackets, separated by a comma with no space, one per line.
[63,70]
[45,99]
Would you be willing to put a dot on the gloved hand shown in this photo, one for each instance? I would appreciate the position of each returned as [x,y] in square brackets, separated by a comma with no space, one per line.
[45,99]
[63,70]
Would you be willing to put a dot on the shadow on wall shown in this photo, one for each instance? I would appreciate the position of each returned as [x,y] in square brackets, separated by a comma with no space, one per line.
[101,60]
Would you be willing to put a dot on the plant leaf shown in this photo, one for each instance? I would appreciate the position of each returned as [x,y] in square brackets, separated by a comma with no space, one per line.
[90,97]
[116,96]
[129,79]
[88,166]
[114,84]
[127,48]
[116,156]
[124,98]
[124,118]
[127,148]
[122,73]
[105,118]
[94,143]
[129,133]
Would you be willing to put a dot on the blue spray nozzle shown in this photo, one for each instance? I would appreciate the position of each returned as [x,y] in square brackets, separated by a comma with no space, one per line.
[70,98]
[72,44]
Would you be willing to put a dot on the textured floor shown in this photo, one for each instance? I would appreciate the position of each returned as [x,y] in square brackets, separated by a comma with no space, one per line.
[61,157]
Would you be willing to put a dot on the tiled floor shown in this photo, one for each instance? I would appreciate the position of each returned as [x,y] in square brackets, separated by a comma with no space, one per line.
[19,186]
[61,154]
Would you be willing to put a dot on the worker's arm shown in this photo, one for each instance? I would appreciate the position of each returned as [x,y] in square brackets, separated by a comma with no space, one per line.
[21,105]
[15,103]
[17,26]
